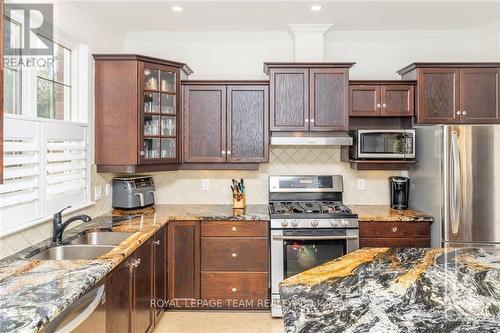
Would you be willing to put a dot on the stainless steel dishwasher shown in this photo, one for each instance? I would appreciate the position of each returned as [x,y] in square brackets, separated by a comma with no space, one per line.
[86,314]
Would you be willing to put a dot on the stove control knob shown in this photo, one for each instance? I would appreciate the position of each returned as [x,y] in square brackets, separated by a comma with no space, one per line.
[315,223]
[284,224]
[344,222]
[334,223]
[295,223]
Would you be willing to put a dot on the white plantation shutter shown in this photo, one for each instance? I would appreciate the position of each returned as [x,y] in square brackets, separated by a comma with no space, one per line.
[66,166]
[20,192]
[46,168]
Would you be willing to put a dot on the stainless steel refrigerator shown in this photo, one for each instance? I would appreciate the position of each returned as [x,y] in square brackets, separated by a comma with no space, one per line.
[457,180]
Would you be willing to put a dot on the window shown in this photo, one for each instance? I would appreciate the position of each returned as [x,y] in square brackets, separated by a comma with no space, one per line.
[46,153]
[12,75]
[54,86]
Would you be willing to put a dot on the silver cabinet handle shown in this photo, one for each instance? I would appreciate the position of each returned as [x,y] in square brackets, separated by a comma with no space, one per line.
[136,263]
[313,237]
[312,120]
[384,105]
[234,229]
[157,242]
[234,290]
[378,105]
[142,153]
[459,113]
[394,229]
[306,120]
[234,255]
[229,152]
[464,113]
[223,152]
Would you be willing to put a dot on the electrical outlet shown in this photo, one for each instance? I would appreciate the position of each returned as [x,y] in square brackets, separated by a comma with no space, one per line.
[107,190]
[361,184]
[205,184]
[97,192]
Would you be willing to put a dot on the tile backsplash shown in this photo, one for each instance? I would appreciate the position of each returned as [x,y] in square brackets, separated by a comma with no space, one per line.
[186,186]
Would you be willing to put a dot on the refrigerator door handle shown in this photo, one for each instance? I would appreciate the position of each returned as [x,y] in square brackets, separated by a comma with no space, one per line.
[455,184]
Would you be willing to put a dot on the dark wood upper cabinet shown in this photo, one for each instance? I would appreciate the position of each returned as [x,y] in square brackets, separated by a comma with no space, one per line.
[160,269]
[226,122]
[381,98]
[308,96]
[364,100]
[328,101]
[452,93]
[204,123]
[137,101]
[183,261]
[289,91]
[143,288]
[248,123]
[479,94]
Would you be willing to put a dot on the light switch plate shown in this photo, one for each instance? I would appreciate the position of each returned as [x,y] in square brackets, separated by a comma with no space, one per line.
[97,192]
[107,190]
[205,184]
[361,184]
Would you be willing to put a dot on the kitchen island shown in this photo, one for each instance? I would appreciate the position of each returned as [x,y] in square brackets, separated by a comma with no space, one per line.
[397,290]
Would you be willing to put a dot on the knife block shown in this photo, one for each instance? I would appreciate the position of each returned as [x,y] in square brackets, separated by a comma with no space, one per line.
[239,201]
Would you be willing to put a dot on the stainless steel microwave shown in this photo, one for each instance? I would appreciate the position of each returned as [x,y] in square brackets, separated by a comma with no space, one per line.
[383,144]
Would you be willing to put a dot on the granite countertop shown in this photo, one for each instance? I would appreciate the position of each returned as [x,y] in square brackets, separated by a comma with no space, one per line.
[397,290]
[34,292]
[384,213]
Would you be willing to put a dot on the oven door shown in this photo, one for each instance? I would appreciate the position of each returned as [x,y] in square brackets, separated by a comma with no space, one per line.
[297,250]
[386,144]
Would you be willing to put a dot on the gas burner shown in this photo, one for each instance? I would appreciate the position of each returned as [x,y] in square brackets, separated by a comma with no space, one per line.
[309,208]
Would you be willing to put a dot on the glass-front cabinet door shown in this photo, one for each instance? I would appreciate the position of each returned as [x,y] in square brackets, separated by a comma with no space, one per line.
[159,114]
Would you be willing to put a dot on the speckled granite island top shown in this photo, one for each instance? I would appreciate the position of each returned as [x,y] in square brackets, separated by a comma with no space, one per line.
[397,290]
[34,292]
[384,213]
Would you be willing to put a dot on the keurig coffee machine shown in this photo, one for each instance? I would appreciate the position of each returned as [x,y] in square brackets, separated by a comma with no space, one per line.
[400,191]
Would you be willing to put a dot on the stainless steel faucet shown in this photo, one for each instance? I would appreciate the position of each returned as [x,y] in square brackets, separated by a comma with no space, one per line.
[58,226]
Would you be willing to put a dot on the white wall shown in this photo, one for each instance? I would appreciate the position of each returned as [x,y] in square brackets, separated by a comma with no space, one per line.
[490,42]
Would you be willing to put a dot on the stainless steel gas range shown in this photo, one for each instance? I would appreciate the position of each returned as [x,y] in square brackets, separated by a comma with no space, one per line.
[309,226]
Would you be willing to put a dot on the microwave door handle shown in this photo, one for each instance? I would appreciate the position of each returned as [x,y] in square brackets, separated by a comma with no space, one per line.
[298,237]
[141,198]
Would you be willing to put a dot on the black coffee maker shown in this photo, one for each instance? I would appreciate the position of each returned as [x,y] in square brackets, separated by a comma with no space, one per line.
[400,192]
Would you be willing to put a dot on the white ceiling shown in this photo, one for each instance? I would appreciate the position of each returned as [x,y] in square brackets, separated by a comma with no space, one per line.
[125,16]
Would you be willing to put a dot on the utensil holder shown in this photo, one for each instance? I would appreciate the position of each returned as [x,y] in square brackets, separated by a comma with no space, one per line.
[239,201]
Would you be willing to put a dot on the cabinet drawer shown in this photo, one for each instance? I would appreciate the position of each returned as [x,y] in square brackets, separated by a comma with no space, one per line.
[393,229]
[234,229]
[232,288]
[394,242]
[234,254]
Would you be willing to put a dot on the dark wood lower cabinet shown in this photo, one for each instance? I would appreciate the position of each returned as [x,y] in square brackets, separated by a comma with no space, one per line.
[160,271]
[143,288]
[394,234]
[119,298]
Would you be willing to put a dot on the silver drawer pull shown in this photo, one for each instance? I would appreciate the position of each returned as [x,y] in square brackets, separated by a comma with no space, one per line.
[234,255]
[378,105]
[394,229]
[234,290]
[384,105]
[313,237]
[223,152]
[459,113]
[234,229]
[464,113]
[157,242]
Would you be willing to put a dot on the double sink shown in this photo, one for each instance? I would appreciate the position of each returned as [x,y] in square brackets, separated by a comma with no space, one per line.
[90,245]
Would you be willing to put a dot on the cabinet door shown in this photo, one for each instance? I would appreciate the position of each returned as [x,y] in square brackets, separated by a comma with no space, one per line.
[204,124]
[160,268]
[289,99]
[248,125]
[159,120]
[438,96]
[183,261]
[397,100]
[479,93]
[364,100]
[143,288]
[119,299]
[328,93]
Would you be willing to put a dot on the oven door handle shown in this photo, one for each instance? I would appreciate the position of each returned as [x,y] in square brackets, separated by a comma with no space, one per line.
[313,237]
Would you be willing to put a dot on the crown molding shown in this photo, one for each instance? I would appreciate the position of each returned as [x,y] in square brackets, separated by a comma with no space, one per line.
[313,29]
